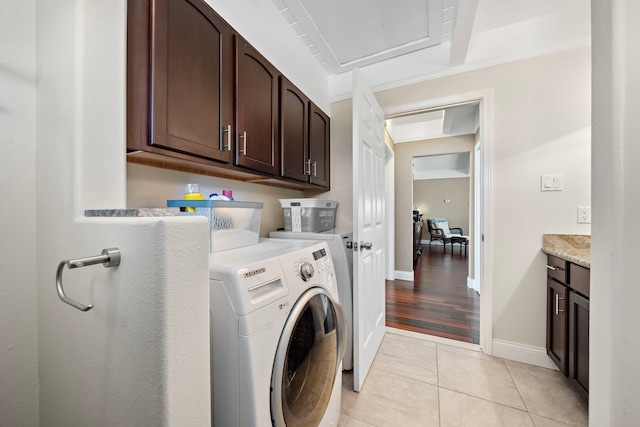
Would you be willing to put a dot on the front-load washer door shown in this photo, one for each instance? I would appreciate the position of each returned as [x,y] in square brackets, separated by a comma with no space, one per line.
[307,360]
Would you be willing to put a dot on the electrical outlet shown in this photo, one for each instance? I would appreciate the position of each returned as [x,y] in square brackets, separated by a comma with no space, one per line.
[584,214]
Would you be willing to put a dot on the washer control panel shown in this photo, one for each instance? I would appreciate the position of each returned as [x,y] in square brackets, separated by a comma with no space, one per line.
[311,264]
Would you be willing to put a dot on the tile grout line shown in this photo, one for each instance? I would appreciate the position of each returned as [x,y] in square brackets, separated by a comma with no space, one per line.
[517,388]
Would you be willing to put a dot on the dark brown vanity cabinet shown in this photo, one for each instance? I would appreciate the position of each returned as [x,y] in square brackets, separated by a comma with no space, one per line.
[568,286]
[578,340]
[557,323]
[180,79]
[257,145]
[304,137]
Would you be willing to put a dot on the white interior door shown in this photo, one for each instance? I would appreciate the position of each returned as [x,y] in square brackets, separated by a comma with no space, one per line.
[368,228]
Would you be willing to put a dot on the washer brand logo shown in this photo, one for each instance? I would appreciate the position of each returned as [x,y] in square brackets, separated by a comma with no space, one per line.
[254,272]
[283,305]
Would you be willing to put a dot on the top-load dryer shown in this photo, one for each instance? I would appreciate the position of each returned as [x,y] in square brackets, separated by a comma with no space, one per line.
[337,239]
[277,336]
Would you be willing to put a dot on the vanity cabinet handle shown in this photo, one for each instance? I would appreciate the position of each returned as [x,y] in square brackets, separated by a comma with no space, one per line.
[558,299]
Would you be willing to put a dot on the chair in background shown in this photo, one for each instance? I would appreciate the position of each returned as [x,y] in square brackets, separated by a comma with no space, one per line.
[439,231]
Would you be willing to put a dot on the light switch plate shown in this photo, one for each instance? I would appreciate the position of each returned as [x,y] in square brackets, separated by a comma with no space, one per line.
[552,182]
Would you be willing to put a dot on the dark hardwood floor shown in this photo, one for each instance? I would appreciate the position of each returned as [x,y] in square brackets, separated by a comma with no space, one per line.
[438,301]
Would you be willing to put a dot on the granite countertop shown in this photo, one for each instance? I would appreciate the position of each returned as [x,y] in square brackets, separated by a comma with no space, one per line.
[133,212]
[575,248]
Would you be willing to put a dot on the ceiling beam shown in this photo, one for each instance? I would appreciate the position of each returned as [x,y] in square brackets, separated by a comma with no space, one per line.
[462,32]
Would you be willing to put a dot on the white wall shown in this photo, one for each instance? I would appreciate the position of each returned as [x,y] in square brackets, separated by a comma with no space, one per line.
[541,124]
[342,162]
[614,341]
[18,300]
[429,197]
[152,187]
[141,355]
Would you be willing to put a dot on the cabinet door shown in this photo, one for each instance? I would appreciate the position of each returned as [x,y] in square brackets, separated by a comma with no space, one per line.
[257,110]
[579,341]
[294,132]
[191,78]
[319,144]
[557,323]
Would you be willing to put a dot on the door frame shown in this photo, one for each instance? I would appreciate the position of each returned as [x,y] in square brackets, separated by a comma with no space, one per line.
[485,233]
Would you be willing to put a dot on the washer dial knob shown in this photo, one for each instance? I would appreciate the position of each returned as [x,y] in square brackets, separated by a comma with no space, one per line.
[306,271]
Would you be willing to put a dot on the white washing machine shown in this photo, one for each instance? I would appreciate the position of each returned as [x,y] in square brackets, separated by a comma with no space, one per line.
[337,240]
[277,336]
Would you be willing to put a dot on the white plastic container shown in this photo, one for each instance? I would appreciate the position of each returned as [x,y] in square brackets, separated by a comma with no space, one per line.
[309,215]
[231,224]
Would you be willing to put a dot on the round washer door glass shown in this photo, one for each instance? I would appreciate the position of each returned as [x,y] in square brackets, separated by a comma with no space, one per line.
[307,360]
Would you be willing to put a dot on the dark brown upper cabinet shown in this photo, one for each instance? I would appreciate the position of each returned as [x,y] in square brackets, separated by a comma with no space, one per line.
[294,132]
[257,146]
[304,137]
[180,79]
[201,99]
[319,143]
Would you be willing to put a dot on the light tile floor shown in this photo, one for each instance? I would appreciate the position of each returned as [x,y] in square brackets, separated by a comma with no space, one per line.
[415,382]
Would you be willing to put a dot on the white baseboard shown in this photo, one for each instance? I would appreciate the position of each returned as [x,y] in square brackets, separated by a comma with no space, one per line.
[522,353]
[471,284]
[403,275]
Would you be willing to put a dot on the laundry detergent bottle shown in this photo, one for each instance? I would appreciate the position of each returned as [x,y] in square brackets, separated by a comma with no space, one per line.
[192,192]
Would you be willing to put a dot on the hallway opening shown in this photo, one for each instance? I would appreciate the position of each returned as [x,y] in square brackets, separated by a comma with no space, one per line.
[438,302]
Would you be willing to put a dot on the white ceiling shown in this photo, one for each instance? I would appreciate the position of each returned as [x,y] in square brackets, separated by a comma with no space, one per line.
[451,121]
[433,35]
[396,42]
[346,34]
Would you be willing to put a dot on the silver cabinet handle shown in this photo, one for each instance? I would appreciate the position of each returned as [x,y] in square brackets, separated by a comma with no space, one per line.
[550,267]
[558,311]
[228,132]
[307,167]
[109,258]
[314,168]
[244,147]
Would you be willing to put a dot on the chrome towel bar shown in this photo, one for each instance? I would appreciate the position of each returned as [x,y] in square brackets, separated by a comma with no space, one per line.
[110,257]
